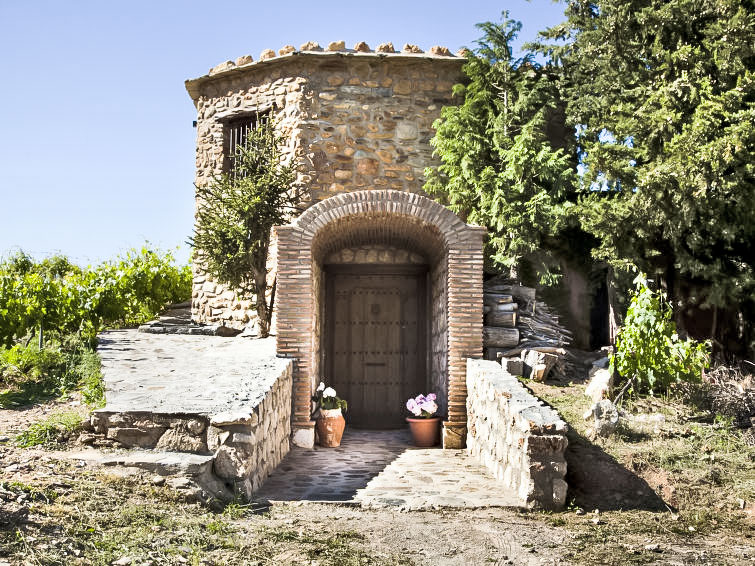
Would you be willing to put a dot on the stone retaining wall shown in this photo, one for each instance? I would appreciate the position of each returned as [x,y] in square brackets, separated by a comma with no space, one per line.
[247,444]
[516,436]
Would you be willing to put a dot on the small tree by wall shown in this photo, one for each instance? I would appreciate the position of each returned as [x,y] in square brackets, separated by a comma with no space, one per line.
[237,212]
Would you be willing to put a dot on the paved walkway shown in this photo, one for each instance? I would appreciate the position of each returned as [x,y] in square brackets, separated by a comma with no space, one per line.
[185,374]
[382,469]
[169,373]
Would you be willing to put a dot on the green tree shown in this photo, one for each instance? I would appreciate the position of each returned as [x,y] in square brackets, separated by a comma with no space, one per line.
[237,212]
[506,161]
[662,94]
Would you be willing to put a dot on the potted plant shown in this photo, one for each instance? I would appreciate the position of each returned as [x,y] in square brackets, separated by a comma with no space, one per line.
[424,426]
[330,422]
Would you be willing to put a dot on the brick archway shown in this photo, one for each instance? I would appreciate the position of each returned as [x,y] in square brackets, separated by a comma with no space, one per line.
[390,217]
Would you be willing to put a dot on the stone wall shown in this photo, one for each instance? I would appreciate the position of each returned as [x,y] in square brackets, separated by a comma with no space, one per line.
[356,120]
[516,436]
[376,254]
[246,444]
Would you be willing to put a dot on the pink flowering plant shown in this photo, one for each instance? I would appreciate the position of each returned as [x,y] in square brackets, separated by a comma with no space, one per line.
[422,406]
[326,398]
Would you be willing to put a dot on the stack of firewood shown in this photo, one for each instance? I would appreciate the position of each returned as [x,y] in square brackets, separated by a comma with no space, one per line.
[517,325]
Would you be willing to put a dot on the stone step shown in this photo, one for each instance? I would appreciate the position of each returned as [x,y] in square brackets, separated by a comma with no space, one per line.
[163,463]
[159,462]
[191,474]
[179,327]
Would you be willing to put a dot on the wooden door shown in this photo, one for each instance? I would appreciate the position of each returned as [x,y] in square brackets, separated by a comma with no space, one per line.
[376,340]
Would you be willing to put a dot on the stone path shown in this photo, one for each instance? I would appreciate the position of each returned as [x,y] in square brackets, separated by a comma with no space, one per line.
[204,375]
[175,374]
[382,469]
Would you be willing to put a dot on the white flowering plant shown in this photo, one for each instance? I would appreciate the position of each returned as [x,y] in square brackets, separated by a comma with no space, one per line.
[326,398]
[422,406]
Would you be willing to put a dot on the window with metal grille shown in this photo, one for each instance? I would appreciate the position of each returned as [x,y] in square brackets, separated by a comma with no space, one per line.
[236,134]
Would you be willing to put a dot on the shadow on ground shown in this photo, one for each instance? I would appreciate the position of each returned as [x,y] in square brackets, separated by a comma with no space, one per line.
[598,481]
[335,474]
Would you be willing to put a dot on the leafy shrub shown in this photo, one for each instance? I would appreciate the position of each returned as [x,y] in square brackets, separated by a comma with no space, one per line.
[70,305]
[30,362]
[649,352]
[28,374]
[62,298]
[89,371]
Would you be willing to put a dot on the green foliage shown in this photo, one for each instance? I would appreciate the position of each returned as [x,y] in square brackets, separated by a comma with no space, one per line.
[89,370]
[505,163]
[648,349]
[54,429]
[238,210]
[63,298]
[134,288]
[28,374]
[71,305]
[661,93]
[330,403]
[326,398]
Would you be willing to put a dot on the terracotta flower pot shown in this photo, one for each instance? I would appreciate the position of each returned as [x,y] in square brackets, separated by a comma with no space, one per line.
[330,427]
[425,432]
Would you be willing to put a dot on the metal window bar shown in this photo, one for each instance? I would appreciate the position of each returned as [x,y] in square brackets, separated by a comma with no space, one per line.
[238,132]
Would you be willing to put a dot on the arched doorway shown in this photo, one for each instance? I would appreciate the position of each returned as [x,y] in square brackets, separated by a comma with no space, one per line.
[376,294]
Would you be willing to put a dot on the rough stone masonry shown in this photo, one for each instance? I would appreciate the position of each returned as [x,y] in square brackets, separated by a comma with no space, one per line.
[516,436]
[359,122]
[225,398]
[359,119]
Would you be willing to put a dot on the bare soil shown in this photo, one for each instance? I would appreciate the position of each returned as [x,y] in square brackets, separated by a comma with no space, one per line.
[14,421]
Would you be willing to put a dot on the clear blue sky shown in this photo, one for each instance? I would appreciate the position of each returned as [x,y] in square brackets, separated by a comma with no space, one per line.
[96,137]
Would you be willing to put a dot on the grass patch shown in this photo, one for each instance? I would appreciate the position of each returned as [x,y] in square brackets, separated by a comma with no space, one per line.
[55,429]
[91,380]
[698,464]
[29,375]
[31,492]
[332,548]
[98,518]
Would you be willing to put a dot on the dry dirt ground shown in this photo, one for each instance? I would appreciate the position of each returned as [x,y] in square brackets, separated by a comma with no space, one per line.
[54,510]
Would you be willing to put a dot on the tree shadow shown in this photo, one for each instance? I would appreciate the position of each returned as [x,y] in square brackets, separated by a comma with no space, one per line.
[27,394]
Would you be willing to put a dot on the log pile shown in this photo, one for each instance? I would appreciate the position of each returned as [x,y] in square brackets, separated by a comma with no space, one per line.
[517,325]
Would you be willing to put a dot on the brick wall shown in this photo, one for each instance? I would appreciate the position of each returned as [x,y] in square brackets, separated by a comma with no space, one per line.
[439,334]
[383,217]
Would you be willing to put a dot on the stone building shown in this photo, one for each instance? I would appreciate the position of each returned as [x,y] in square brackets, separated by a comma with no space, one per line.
[378,287]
